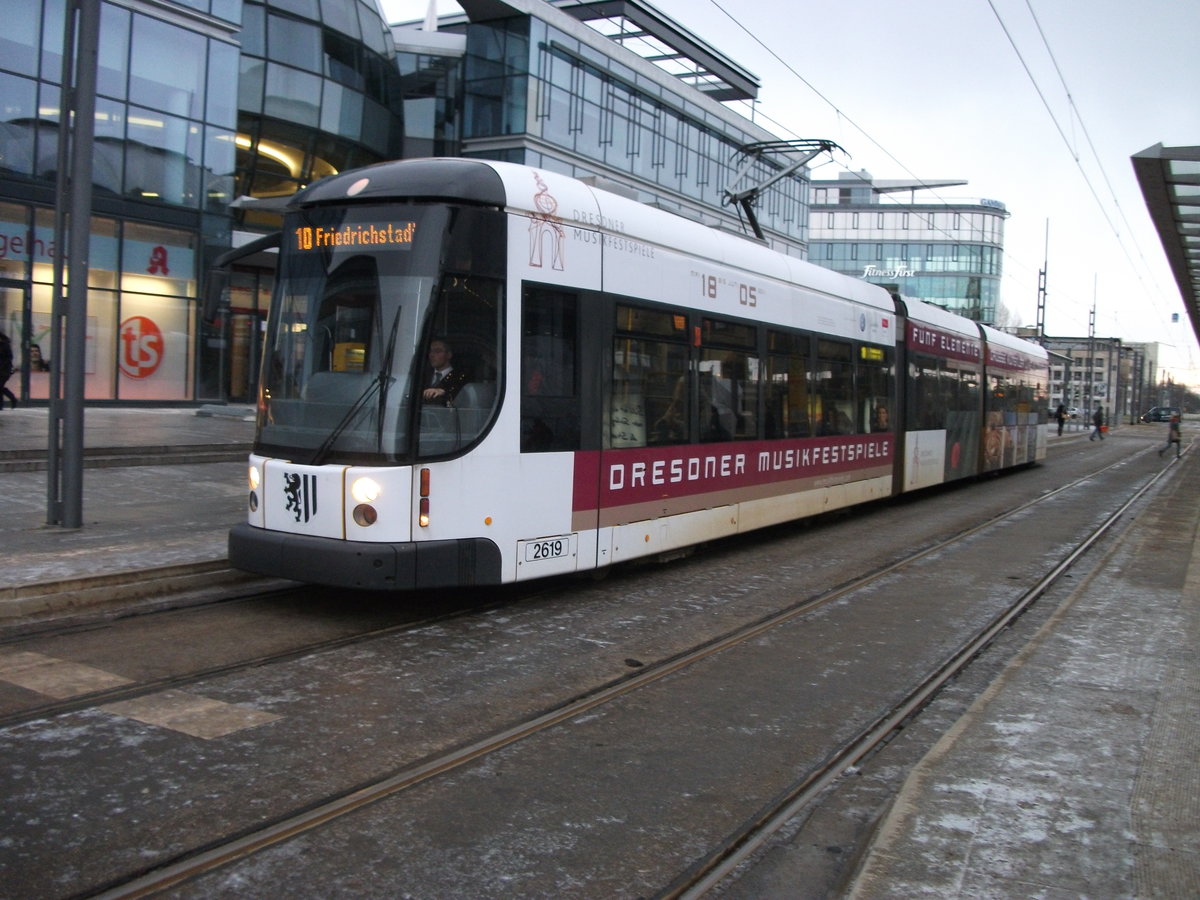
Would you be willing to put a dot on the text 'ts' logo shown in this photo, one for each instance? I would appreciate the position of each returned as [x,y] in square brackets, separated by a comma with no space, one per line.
[142,347]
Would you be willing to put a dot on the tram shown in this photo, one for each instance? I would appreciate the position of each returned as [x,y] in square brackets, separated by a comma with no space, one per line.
[625,383]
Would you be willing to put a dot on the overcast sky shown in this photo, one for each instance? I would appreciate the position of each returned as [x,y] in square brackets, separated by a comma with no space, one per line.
[938,89]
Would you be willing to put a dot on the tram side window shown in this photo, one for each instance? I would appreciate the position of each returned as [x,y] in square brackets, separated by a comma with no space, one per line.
[728,381]
[927,401]
[550,395]
[968,391]
[466,319]
[787,400]
[876,378]
[1039,398]
[1003,393]
[833,388]
[650,395]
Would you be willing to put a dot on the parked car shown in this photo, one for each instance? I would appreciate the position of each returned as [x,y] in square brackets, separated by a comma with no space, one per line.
[1160,413]
[1072,412]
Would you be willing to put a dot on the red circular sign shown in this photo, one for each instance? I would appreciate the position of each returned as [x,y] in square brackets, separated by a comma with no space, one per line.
[141,347]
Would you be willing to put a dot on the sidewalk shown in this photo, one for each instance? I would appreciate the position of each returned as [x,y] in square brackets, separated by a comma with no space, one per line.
[1077,773]
[137,518]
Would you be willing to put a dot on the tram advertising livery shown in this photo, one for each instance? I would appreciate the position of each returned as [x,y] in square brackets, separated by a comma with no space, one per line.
[479,373]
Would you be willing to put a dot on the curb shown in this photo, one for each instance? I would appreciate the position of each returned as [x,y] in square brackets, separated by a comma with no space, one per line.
[22,604]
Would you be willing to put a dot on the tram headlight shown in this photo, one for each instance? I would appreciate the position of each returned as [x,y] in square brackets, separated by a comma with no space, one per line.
[253,476]
[365,490]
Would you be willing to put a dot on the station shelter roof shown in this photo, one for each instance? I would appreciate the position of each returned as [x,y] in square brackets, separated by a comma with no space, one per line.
[1170,181]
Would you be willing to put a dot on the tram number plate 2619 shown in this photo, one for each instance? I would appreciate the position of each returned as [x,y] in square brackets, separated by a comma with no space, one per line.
[555,547]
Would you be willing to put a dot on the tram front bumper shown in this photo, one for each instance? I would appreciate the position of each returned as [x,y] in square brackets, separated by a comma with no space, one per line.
[363,565]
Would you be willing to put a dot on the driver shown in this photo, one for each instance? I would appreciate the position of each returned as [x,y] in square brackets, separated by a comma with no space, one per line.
[443,381]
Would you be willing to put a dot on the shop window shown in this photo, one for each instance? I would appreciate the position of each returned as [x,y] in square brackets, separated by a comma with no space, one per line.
[294,43]
[292,95]
[113,52]
[158,261]
[167,68]
[16,140]
[221,103]
[19,39]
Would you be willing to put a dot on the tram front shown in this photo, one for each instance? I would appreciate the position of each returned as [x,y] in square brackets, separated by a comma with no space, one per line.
[348,420]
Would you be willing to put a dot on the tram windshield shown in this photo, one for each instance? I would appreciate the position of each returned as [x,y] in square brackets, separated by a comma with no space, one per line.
[373,305]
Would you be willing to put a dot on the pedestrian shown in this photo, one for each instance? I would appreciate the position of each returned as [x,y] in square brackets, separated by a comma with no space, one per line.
[1061,416]
[1098,423]
[1174,436]
[6,369]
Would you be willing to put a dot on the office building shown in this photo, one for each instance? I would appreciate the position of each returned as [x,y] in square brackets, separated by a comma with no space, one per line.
[210,113]
[942,250]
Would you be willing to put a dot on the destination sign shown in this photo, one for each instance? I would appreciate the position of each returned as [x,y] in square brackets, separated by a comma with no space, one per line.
[392,236]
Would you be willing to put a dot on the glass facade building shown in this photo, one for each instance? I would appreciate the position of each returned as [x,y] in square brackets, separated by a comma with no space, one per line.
[163,163]
[949,254]
[551,92]
[198,102]
[210,113]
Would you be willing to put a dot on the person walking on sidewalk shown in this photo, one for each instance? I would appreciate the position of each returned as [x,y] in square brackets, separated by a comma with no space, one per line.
[6,369]
[1061,416]
[1174,436]
[1098,424]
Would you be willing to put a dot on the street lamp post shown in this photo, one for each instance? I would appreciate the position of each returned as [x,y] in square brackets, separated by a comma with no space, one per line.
[77,121]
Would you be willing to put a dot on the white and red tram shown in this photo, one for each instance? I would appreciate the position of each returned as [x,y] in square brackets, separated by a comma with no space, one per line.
[628,383]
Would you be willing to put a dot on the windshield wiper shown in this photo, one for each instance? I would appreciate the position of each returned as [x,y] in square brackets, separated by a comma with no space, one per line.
[323,451]
[385,383]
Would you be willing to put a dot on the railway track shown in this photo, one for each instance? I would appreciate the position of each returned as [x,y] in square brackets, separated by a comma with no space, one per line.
[743,844]
[724,855]
[289,593]
[144,687]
